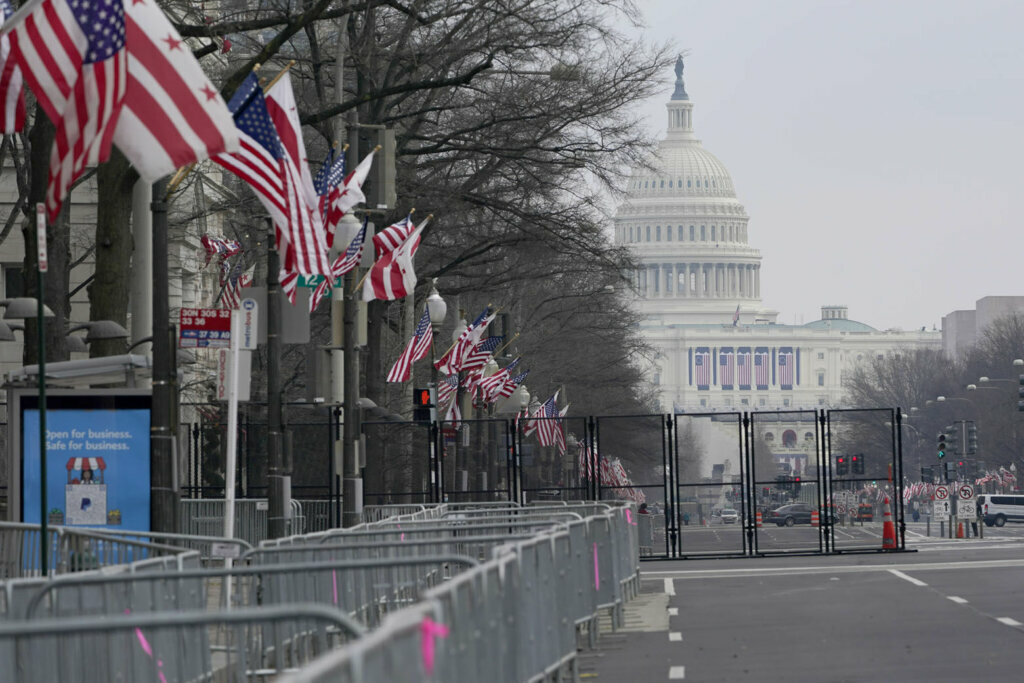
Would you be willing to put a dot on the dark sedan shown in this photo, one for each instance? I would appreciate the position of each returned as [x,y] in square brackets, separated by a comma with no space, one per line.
[788,515]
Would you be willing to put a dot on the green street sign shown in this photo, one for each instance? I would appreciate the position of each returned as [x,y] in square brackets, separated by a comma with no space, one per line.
[312,281]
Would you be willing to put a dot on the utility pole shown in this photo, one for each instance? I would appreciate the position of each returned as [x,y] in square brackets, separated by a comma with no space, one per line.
[164,499]
[352,483]
[277,478]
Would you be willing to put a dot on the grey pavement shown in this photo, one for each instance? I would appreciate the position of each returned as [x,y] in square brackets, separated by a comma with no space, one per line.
[953,611]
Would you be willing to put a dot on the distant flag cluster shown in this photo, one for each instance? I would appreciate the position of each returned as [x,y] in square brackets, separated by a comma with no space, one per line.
[221,248]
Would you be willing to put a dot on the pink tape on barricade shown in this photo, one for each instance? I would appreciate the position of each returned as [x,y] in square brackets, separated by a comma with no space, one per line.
[148,649]
[429,630]
[597,574]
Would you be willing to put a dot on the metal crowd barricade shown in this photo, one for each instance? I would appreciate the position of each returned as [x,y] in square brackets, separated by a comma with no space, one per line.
[365,589]
[69,550]
[211,549]
[205,517]
[513,618]
[171,646]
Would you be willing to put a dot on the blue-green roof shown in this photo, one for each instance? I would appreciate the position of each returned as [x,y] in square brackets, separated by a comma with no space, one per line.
[841,324]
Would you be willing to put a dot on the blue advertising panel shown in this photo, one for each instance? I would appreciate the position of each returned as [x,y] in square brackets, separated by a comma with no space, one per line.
[97,461]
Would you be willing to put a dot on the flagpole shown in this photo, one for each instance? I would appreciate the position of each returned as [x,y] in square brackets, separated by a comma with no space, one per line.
[164,498]
[506,344]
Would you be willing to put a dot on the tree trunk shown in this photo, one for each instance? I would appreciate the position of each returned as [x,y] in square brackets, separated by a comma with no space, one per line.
[109,290]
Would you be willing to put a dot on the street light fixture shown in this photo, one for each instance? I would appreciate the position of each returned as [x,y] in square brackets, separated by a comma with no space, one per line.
[437,310]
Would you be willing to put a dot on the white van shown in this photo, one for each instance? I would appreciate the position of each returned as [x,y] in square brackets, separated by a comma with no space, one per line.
[997,509]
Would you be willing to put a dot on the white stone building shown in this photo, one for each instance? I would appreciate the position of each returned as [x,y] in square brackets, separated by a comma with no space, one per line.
[698,285]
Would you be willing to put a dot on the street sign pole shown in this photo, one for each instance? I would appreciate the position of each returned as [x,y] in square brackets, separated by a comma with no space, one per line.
[232,445]
[42,265]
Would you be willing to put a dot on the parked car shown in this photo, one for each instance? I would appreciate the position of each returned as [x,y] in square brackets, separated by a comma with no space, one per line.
[788,515]
[730,516]
[999,509]
[866,512]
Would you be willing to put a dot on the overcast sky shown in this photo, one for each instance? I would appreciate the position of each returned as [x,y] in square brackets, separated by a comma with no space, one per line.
[877,145]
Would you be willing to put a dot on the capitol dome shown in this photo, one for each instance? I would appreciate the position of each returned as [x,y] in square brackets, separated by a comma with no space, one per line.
[688,231]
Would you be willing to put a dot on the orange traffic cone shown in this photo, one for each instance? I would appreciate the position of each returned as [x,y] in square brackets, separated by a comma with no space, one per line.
[759,520]
[888,529]
[814,518]
[960,530]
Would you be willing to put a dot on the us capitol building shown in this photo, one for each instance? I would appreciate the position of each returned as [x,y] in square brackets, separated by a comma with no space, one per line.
[698,286]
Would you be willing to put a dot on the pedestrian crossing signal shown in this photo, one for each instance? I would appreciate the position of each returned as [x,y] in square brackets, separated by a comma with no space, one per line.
[423,409]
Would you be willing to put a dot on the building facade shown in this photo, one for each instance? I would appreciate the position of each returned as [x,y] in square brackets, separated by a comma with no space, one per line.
[698,285]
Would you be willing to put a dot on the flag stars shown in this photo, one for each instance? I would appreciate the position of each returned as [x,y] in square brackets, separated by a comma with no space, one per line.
[172,42]
[209,92]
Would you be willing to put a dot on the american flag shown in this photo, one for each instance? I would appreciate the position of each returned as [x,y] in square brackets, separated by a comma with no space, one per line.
[346,261]
[12,99]
[743,368]
[326,183]
[263,163]
[415,350]
[547,423]
[761,368]
[726,368]
[80,86]
[218,247]
[451,362]
[786,368]
[702,367]
[586,460]
[345,196]
[232,280]
[511,384]
[308,241]
[491,387]
[392,236]
[477,358]
[453,415]
[393,277]
[447,389]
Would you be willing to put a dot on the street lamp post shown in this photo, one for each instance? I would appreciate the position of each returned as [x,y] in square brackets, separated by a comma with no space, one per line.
[437,309]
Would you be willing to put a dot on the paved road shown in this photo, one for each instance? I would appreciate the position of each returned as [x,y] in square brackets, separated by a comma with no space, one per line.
[954,611]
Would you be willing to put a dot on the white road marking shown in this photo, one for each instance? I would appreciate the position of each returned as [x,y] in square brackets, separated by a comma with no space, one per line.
[675,636]
[1008,621]
[673,611]
[911,579]
[670,587]
[791,571]
[677,673]
[957,600]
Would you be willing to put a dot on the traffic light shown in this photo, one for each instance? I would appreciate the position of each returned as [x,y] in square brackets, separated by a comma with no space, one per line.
[949,471]
[1020,394]
[972,438]
[943,446]
[842,466]
[961,469]
[857,463]
[423,409]
[796,485]
[926,475]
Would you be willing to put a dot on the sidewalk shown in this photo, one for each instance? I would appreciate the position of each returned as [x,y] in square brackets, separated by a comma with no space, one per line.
[636,652]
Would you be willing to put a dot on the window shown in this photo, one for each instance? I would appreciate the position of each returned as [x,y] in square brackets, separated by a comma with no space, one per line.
[744,401]
[657,233]
[12,280]
[808,436]
[728,403]
[703,403]
[785,403]
[663,184]
[648,233]
[762,402]
[692,234]
[789,436]
[768,436]
[821,355]
[713,239]
[631,233]
[670,182]
[703,234]
[657,378]
[688,182]
[821,379]
[668,233]
[821,401]
[680,233]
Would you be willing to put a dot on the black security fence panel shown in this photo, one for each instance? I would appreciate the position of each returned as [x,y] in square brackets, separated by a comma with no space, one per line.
[786,480]
[548,459]
[709,511]
[476,460]
[398,464]
[866,491]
